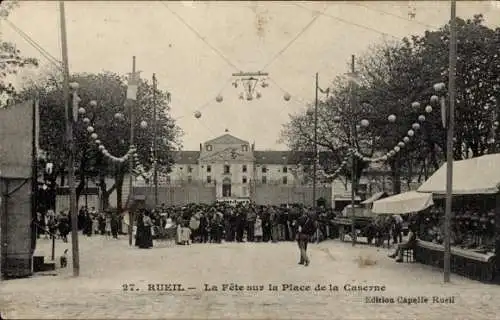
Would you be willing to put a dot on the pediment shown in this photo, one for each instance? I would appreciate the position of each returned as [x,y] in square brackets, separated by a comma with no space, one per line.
[228,154]
[226,139]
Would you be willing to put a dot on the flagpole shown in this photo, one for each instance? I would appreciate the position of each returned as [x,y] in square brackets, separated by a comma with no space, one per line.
[131,167]
[155,171]
[69,137]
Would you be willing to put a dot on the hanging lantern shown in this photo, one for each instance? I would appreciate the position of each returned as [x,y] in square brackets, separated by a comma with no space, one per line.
[495,123]
[144,124]
[86,120]
[90,129]
[384,158]
[439,86]
[365,123]
[428,109]
[93,103]
[197,114]
[358,127]
[406,139]
[344,163]
[421,118]
[434,99]
[411,133]
[101,147]
[415,105]
[287,96]
[171,125]
[93,135]
[119,116]
[401,144]
[97,142]
[336,119]
[397,149]
[219,98]
[415,126]
[81,110]
[392,118]
[74,85]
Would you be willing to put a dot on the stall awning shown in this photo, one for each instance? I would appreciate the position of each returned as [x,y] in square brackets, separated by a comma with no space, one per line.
[407,202]
[375,197]
[479,175]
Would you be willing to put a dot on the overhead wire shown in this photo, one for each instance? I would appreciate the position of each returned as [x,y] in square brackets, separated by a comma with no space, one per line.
[217,51]
[35,45]
[297,36]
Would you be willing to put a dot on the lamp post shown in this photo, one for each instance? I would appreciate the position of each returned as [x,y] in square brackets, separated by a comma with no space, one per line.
[353,167]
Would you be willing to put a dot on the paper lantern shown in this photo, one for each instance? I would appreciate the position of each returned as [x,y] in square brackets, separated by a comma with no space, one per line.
[415,105]
[287,97]
[358,127]
[344,162]
[411,133]
[74,85]
[81,110]
[144,124]
[197,114]
[439,86]
[365,123]
[495,123]
[384,158]
[392,118]
[119,116]
[101,147]
[86,120]
[98,141]
[401,144]
[421,118]
[434,99]
[93,135]
[219,98]
[171,125]
[93,103]
[428,109]
[415,126]
[406,139]
[397,149]
[90,129]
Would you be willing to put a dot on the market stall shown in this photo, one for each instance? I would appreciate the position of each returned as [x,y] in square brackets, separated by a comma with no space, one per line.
[406,202]
[475,227]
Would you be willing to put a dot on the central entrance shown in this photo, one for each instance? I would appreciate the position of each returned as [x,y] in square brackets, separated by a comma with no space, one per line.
[226,187]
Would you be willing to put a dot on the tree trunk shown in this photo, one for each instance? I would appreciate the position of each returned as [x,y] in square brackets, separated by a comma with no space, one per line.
[119,190]
[396,175]
[105,193]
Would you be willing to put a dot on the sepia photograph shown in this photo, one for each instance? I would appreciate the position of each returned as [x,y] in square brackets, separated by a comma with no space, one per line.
[249,160]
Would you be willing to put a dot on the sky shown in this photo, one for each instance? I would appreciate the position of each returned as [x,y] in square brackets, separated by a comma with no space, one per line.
[194,47]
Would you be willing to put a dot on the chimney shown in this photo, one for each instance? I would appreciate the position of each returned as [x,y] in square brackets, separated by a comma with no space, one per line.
[201,147]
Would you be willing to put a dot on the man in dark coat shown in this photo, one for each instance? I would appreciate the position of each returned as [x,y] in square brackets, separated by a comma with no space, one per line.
[307,226]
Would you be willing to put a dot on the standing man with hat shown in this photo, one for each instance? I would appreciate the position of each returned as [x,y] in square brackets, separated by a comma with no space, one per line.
[306,227]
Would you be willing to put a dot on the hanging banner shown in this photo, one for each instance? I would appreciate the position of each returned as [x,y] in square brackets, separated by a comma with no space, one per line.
[133,84]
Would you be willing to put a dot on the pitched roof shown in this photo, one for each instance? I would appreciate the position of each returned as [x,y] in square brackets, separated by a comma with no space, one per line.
[226,139]
[186,157]
[288,157]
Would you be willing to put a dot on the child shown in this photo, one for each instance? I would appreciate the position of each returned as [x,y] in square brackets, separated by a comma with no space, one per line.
[258,229]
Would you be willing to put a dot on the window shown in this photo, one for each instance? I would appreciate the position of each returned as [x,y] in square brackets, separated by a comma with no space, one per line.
[244,179]
[264,169]
[285,169]
[227,169]
[190,179]
[209,179]
[244,148]
[190,169]
[244,169]
[264,179]
[209,168]
[285,180]
[209,147]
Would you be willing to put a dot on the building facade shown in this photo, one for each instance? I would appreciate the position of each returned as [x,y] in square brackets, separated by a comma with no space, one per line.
[234,167]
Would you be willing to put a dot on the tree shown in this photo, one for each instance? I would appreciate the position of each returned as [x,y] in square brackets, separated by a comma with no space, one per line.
[109,118]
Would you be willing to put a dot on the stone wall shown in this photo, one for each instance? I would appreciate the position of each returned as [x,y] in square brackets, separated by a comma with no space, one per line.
[178,195]
[280,194]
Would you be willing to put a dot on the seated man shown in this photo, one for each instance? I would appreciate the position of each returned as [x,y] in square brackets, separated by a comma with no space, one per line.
[410,244]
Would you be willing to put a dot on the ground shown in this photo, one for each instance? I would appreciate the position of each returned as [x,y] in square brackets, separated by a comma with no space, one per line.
[106,265]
